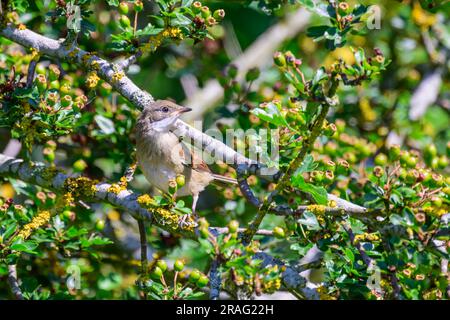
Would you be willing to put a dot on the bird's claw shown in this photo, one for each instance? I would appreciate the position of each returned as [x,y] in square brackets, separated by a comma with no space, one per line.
[188,220]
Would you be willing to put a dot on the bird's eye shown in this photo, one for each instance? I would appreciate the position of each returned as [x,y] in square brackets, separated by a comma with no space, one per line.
[165,109]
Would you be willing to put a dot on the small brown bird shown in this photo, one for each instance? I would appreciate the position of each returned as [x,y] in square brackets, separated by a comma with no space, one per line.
[162,156]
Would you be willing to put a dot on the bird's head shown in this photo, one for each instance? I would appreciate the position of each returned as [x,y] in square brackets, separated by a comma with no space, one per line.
[161,114]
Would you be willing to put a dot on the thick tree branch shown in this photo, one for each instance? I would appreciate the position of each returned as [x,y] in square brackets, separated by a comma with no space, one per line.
[135,95]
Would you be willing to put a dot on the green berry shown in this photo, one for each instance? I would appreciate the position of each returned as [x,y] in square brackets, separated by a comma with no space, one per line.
[173,186]
[162,265]
[411,162]
[205,12]
[290,58]
[124,21]
[100,225]
[40,69]
[194,276]
[279,59]
[41,82]
[123,8]
[138,6]
[429,151]
[279,233]
[233,226]
[64,89]
[202,281]
[66,101]
[317,176]
[436,201]
[49,154]
[394,152]
[330,165]
[157,273]
[329,176]
[69,215]
[252,74]
[54,85]
[219,14]
[180,180]
[330,130]
[197,6]
[79,165]
[232,71]
[53,72]
[442,162]
[381,159]
[178,265]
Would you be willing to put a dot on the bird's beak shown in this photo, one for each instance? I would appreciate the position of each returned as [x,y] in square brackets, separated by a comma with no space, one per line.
[180,111]
[183,110]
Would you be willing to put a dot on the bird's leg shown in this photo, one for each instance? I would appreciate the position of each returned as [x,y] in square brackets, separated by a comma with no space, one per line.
[184,220]
[194,206]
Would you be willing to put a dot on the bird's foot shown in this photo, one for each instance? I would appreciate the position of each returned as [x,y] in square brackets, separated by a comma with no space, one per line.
[188,220]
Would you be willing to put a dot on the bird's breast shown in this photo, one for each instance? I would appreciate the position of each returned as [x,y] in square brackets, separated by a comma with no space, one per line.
[155,156]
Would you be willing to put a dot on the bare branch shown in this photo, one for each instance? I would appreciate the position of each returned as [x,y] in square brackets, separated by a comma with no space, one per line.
[215,280]
[13,282]
[144,258]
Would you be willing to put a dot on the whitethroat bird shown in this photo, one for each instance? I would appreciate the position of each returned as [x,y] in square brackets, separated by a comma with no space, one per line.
[162,156]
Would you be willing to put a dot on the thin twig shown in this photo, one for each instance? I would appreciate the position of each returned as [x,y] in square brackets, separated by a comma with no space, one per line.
[215,280]
[293,166]
[13,282]
[30,74]
[144,258]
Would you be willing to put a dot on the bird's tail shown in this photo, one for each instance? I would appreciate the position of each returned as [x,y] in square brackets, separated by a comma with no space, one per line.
[224,179]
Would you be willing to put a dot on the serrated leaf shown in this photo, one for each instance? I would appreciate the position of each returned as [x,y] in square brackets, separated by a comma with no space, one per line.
[318,193]
[270,114]
[27,247]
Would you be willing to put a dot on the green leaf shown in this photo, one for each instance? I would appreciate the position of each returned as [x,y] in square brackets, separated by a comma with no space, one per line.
[113,3]
[349,254]
[270,114]
[318,193]
[27,247]
[307,165]
[149,30]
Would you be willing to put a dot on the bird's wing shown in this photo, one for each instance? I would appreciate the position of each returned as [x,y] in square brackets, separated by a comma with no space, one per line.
[194,161]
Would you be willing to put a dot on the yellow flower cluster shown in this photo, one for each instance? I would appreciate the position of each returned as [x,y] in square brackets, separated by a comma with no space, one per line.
[323,293]
[22,27]
[116,188]
[421,17]
[92,80]
[317,209]
[95,65]
[271,286]
[117,76]
[41,219]
[433,211]
[34,53]
[164,216]
[366,237]
[146,201]
[155,41]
